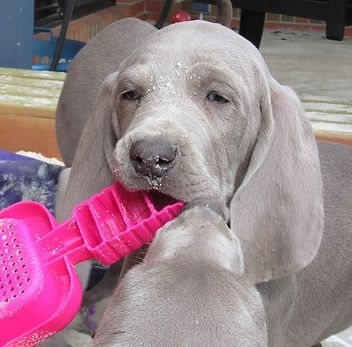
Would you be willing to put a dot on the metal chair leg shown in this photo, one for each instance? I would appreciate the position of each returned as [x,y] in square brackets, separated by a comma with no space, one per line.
[335,24]
[252,26]
[164,13]
[68,9]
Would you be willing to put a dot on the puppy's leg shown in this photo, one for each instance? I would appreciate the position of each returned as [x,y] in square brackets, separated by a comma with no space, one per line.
[133,259]
[104,288]
[114,274]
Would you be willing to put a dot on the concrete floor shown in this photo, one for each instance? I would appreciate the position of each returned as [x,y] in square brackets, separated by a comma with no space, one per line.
[309,63]
[317,69]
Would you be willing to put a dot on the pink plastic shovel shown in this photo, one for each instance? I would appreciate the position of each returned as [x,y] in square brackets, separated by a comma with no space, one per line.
[40,291]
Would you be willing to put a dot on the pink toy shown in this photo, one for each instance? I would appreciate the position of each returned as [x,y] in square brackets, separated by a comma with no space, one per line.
[40,291]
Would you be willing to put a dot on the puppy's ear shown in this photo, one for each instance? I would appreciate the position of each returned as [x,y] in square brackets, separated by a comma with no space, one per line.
[90,170]
[94,62]
[277,211]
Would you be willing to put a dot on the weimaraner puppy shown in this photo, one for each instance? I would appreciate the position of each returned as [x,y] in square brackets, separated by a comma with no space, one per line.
[192,290]
[194,114]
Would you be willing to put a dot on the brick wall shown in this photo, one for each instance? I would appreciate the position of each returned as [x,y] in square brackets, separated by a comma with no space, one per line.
[131,8]
[273,21]
[87,27]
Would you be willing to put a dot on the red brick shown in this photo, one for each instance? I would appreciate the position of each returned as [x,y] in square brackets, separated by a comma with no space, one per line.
[213,10]
[314,21]
[142,16]
[236,13]
[83,29]
[126,9]
[294,26]
[301,20]
[286,18]
[153,17]
[153,6]
[273,17]
[179,6]
[134,10]
[125,2]
[235,24]
[209,18]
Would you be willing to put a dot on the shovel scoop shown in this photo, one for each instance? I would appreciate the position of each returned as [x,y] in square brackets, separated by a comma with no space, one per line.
[40,291]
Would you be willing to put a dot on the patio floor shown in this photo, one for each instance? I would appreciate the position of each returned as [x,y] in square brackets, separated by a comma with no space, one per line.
[314,66]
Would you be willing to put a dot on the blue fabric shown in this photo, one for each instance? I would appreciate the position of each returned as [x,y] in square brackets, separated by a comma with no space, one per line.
[23,178]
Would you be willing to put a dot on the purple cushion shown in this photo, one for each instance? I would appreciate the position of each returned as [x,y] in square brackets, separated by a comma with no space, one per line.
[23,178]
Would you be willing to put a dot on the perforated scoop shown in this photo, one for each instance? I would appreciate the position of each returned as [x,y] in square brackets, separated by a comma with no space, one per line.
[40,291]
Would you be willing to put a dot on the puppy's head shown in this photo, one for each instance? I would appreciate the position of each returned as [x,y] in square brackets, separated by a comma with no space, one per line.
[189,291]
[194,114]
[186,115]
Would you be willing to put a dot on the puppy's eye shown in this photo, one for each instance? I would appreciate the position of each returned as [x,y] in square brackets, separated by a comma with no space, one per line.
[131,95]
[217,98]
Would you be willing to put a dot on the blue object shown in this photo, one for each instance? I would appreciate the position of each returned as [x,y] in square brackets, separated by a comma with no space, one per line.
[16,33]
[200,8]
[44,50]
[23,178]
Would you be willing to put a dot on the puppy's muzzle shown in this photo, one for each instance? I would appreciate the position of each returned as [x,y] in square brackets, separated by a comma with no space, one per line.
[153,157]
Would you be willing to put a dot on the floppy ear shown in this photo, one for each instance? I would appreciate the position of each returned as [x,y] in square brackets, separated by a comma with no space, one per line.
[90,170]
[100,57]
[277,212]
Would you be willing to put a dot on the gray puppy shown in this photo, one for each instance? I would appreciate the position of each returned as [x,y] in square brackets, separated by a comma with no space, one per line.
[191,290]
[194,114]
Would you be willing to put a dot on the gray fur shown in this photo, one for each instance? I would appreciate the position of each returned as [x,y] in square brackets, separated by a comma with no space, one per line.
[190,291]
[255,159]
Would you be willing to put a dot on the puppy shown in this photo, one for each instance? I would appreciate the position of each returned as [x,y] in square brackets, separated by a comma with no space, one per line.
[192,288]
[194,114]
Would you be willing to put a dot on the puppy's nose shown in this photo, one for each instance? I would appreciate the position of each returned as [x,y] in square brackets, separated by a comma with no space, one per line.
[153,157]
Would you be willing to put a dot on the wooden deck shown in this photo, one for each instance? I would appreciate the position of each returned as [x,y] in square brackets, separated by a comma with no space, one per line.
[28,101]
[331,120]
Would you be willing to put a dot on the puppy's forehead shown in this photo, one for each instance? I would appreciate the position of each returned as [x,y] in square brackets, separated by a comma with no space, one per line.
[202,34]
[189,43]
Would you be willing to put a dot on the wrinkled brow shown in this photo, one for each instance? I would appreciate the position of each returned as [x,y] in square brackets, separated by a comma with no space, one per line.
[218,72]
[206,73]
[136,75]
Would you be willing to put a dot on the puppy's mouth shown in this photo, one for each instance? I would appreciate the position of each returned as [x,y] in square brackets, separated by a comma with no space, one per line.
[160,200]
